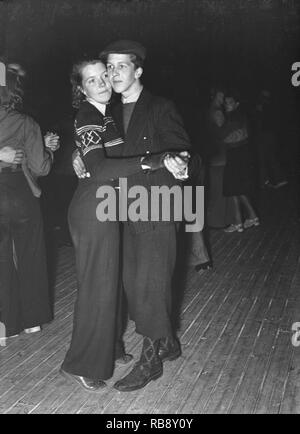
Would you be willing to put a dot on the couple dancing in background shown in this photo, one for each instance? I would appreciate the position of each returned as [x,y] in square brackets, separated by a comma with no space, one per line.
[141,138]
[230,165]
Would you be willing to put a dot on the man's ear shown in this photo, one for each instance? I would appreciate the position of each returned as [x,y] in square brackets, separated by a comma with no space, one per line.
[138,72]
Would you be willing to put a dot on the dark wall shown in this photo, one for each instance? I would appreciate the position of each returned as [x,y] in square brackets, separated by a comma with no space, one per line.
[191,43]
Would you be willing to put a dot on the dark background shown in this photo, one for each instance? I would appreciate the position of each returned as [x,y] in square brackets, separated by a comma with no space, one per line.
[192,44]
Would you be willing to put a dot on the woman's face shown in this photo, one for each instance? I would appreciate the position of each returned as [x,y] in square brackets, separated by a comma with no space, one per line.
[219,98]
[95,83]
[230,104]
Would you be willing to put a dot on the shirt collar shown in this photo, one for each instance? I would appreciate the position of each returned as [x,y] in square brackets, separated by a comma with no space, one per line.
[98,105]
[132,98]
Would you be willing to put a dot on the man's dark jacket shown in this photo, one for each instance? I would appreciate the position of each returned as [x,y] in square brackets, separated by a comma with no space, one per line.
[155,126]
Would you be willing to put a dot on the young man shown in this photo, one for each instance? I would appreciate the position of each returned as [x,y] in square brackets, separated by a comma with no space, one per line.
[149,125]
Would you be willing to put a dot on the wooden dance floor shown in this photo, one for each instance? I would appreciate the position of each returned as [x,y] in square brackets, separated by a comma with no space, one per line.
[235,329]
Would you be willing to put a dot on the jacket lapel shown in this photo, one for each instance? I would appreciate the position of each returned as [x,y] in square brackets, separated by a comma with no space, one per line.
[138,121]
[117,113]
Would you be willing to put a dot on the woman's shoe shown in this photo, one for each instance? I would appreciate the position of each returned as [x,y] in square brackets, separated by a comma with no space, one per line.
[86,383]
[4,340]
[33,329]
[251,222]
[234,228]
[204,266]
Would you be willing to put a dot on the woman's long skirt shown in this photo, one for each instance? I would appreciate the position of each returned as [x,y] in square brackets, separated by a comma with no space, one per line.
[219,208]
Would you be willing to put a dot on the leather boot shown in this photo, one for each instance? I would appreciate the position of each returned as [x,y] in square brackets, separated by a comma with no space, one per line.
[147,369]
[169,349]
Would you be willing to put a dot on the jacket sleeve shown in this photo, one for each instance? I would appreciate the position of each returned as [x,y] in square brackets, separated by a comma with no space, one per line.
[171,132]
[234,131]
[38,159]
[195,167]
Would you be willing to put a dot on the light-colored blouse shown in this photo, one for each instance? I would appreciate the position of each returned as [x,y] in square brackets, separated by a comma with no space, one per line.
[20,131]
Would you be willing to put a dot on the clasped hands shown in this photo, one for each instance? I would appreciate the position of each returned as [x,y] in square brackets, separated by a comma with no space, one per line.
[177,164]
[174,162]
[51,141]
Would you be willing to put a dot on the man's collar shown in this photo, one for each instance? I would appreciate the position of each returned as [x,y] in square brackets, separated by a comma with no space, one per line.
[132,98]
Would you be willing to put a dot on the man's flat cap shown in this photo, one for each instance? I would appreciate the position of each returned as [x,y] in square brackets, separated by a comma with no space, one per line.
[124,46]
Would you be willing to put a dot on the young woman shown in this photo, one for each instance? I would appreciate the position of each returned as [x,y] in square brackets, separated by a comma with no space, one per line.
[94,346]
[238,177]
[24,297]
[219,208]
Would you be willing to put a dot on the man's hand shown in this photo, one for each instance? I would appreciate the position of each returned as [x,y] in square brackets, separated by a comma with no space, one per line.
[52,141]
[236,136]
[177,164]
[79,167]
[10,155]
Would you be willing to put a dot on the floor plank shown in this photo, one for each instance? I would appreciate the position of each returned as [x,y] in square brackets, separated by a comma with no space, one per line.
[235,328]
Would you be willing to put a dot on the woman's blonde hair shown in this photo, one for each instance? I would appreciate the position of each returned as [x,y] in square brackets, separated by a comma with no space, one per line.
[76,79]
